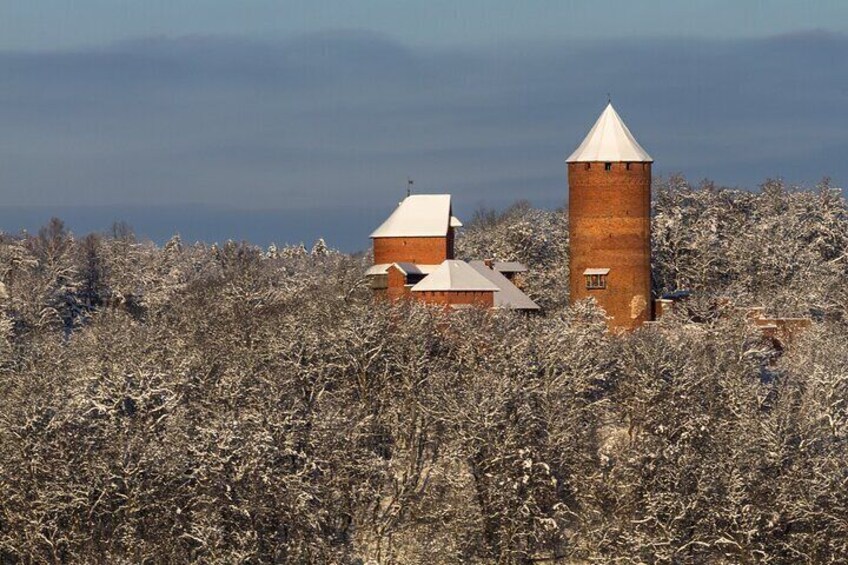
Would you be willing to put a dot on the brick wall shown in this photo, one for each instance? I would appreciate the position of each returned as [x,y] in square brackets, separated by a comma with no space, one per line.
[609,214]
[419,250]
[484,299]
[396,287]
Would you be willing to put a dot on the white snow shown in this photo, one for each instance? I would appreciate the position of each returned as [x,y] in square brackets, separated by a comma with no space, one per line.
[454,275]
[510,296]
[419,215]
[609,140]
[383,268]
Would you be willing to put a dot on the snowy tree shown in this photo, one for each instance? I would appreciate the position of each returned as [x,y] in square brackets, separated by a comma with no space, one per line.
[223,404]
[320,248]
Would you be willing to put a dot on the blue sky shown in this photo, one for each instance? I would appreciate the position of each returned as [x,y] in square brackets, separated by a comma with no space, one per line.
[283,121]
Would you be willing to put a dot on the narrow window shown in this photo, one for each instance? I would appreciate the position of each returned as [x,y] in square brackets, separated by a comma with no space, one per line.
[588,166]
[628,166]
[607,166]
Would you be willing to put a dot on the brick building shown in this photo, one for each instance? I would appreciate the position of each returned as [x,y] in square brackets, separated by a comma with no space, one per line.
[609,213]
[414,258]
[456,283]
[420,231]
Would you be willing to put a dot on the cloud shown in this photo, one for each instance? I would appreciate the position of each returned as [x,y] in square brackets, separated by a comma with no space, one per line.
[309,127]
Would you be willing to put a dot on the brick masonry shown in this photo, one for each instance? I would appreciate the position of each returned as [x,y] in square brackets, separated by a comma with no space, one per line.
[418,250]
[609,213]
[482,299]
[396,284]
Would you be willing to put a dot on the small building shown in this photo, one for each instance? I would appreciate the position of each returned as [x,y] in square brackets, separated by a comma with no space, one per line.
[420,231]
[414,258]
[456,283]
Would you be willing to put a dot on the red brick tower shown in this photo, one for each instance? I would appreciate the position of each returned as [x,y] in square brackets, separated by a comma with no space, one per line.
[609,215]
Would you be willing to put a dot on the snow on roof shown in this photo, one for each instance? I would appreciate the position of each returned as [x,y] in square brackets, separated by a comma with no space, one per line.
[509,267]
[510,296]
[408,268]
[419,215]
[596,272]
[455,223]
[458,276]
[383,268]
[609,140]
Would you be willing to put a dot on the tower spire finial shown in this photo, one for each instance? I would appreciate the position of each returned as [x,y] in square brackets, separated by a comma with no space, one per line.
[609,98]
[409,183]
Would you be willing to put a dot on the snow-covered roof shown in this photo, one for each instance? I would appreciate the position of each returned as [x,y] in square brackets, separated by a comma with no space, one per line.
[408,268]
[383,268]
[510,296]
[509,267]
[609,140]
[455,223]
[419,215]
[596,272]
[457,276]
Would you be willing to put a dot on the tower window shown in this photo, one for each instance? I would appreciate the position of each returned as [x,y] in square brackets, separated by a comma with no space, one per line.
[607,166]
[588,166]
[628,166]
[596,279]
[596,282]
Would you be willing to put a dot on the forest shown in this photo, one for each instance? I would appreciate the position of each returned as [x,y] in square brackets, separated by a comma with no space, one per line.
[232,404]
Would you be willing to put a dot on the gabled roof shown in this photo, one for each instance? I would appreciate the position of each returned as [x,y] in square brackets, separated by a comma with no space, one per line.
[419,215]
[457,276]
[609,140]
[509,267]
[383,268]
[510,296]
[408,268]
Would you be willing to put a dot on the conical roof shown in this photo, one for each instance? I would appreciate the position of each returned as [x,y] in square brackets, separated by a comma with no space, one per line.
[456,276]
[609,140]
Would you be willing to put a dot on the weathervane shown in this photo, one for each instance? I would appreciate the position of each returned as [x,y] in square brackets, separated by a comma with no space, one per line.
[409,183]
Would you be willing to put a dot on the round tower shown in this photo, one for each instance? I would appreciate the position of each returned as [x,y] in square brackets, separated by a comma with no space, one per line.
[609,215]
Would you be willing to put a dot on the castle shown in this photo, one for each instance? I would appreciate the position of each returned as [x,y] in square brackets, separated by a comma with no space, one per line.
[414,258]
[609,212]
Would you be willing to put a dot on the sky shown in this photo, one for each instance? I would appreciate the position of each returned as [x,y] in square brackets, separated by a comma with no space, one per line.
[288,121]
